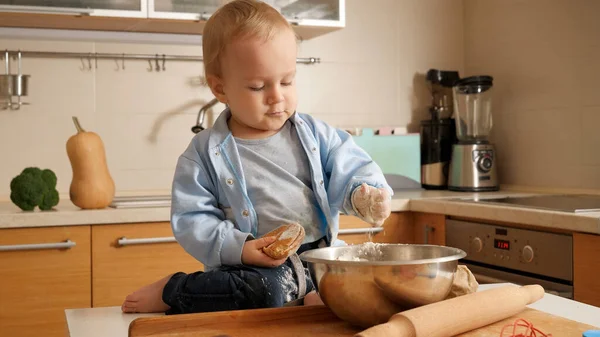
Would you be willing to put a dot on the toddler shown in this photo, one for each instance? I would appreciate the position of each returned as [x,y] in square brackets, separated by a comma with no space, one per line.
[260,166]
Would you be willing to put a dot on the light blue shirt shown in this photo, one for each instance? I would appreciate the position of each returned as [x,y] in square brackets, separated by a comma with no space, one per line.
[208,178]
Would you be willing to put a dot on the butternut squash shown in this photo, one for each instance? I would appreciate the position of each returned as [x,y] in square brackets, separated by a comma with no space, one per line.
[92,187]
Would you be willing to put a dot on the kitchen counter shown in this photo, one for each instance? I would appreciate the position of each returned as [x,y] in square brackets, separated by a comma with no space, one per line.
[110,321]
[440,202]
[66,214]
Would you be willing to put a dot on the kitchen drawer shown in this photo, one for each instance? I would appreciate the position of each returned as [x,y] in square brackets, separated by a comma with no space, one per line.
[396,229]
[430,228]
[126,257]
[353,230]
[39,279]
[586,260]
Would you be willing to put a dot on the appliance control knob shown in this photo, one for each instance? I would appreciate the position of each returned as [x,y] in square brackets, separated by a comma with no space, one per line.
[476,245]
[527,254]
[484,164]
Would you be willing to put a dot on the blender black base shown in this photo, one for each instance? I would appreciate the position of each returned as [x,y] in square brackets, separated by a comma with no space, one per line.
[434,187]
[474,189]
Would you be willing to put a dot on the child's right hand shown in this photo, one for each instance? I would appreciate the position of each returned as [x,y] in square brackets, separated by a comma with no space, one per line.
[253,255]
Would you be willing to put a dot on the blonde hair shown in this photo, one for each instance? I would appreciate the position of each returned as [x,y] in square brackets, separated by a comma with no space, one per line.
[235,20]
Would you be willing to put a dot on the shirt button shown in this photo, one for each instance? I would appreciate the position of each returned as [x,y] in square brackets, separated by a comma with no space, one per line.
[314,149]
[229,181]
[245,213]
[217,153]
[321,182]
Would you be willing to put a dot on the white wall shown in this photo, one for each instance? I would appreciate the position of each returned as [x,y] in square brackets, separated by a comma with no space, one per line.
[544,56]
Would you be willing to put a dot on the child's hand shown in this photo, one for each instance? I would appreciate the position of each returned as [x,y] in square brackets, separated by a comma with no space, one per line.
[373,204]
[253,255]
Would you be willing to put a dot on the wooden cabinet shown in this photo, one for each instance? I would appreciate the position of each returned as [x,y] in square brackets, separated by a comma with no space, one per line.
[128,256]
[43,271]
[429,228]
[310,18]
[586,260]
[396,229]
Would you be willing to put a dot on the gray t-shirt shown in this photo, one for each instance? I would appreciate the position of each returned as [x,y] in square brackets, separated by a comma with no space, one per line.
[278,180]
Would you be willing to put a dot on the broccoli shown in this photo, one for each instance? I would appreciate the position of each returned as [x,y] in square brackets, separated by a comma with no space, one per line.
[34,187]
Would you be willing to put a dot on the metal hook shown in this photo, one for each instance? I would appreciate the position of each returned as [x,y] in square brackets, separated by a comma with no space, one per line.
[90,61]
[163,63]
[150,65]
[157,66]
[96,60]
[123,62]
[117,63]
[7,60]
[82,68]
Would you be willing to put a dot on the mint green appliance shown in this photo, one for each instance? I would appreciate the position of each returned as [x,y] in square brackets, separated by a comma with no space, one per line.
[399,156]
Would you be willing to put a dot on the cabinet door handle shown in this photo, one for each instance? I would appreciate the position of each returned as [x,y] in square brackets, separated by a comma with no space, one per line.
[426,231]
[145,241]
[38,246]
[360,230]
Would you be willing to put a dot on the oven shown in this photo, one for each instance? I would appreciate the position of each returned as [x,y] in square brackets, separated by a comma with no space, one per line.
[499,254]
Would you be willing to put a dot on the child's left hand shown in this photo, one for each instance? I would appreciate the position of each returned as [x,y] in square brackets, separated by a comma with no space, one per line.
[372,204]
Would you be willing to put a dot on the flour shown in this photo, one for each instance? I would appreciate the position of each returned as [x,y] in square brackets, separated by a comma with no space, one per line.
[288,283]
[290,233]
[368,251]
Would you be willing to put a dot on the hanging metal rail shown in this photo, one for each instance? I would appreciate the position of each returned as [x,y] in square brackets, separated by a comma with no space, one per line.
[16,85]
[125,56]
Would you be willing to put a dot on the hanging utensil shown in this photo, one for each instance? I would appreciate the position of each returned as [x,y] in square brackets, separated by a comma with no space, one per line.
[6,82]
[20,85]
[20,81]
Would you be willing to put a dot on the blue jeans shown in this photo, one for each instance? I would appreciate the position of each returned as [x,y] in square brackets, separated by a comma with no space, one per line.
[235,287]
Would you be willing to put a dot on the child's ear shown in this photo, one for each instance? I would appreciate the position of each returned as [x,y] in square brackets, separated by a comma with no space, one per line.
[215,84]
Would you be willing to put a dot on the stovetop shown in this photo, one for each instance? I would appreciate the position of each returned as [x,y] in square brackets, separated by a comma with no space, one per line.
[563,203]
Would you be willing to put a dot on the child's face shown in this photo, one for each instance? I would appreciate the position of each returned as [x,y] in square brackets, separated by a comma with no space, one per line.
[259,84]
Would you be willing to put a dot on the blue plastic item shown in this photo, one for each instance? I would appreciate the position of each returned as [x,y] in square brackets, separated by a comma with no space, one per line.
[592,333]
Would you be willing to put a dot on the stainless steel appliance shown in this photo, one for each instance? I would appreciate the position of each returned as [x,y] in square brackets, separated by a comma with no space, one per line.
[438,133]
[498,254]
[473,164]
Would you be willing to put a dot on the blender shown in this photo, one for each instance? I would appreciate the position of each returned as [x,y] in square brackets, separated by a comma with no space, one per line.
[473,163]
[438,134]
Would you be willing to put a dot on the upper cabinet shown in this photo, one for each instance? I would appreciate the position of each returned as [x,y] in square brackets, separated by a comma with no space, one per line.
[109,8]
[310,18]
[197,10]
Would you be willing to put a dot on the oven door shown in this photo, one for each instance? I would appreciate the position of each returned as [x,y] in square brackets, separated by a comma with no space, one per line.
[486,275]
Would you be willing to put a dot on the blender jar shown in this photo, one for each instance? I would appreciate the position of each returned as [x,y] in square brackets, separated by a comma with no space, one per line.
[473,109]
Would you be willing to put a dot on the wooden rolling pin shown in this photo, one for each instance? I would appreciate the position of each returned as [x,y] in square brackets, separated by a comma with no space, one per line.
[458,315]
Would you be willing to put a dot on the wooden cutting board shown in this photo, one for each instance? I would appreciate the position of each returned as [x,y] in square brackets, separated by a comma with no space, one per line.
[310,321]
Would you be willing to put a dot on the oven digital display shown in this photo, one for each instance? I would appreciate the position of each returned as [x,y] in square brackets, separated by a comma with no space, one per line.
[502,244]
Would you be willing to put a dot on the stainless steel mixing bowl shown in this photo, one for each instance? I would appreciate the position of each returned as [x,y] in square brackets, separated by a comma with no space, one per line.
[366,284]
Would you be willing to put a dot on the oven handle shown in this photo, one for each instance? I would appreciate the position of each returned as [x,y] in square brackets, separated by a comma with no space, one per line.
[488,279]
